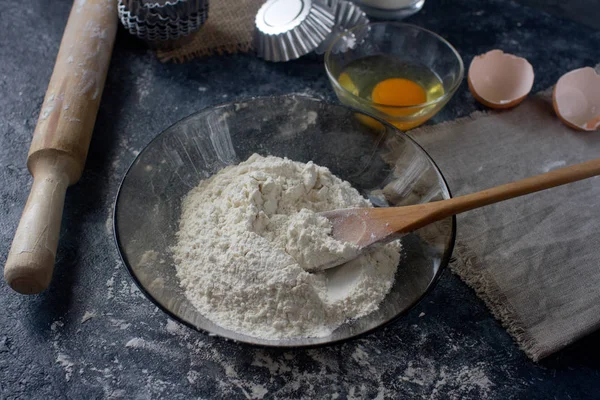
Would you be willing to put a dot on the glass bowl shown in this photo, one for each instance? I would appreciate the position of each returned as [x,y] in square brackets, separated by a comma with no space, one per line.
[385,165]
[410,45]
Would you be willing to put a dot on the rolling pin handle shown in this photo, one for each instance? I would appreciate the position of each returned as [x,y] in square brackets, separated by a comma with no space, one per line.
[30,262]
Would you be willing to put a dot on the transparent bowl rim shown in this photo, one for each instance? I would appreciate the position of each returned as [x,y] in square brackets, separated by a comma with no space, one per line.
[368,103]
[276,344]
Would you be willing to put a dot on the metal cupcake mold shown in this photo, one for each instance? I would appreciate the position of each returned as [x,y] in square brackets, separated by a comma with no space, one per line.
[163,30]
[142,15]
[347,16]
[288,29]
[164,11]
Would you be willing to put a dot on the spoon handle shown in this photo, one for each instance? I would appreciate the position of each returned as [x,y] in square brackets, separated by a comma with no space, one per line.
[365,226]
[522,187]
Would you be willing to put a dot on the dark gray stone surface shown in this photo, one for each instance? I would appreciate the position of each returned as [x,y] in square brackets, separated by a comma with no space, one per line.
[94,335]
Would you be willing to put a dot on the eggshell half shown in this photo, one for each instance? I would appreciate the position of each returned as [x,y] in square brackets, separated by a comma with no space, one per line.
[500,80]
[576,99]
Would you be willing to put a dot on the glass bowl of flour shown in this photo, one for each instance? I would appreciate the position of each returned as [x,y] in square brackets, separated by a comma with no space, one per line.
[217,218]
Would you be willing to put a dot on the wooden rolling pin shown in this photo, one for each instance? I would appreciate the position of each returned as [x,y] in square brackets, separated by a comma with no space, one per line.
[61,140]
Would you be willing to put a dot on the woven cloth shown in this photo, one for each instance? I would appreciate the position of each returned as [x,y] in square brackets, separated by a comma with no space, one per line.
[228,29]
[534,260]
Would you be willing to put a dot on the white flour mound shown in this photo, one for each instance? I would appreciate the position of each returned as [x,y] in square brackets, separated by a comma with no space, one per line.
[247,232]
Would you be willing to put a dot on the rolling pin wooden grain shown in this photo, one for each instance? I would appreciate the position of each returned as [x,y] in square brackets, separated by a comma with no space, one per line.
[61,140]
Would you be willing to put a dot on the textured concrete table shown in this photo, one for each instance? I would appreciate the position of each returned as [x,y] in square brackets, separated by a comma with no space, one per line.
[94,335]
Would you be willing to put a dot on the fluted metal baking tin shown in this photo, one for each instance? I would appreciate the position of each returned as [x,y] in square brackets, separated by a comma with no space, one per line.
[164,11]
[288,29]
[162,30]
[347,16]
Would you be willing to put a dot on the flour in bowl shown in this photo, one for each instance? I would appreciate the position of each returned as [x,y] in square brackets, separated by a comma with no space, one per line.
[247,237]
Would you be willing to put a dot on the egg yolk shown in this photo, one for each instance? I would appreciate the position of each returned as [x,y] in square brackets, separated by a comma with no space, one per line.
[398,92]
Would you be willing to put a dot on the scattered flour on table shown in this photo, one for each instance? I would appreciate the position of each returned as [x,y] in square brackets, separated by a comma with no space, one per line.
[248,233]
[87,316]
[64,361]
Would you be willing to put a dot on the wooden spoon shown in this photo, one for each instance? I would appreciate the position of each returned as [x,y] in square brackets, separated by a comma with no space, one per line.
[366,226]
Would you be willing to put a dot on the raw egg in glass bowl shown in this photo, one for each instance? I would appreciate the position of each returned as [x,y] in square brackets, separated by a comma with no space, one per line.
[398,72]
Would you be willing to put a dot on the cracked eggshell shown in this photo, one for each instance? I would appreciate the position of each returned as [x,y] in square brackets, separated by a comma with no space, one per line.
[576,99]
[500,80]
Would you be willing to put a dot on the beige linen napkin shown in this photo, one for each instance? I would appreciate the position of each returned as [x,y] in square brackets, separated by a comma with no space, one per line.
[228,29]
[534,260]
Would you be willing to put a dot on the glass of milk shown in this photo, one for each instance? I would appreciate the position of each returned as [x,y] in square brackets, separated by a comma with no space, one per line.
[390,9]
